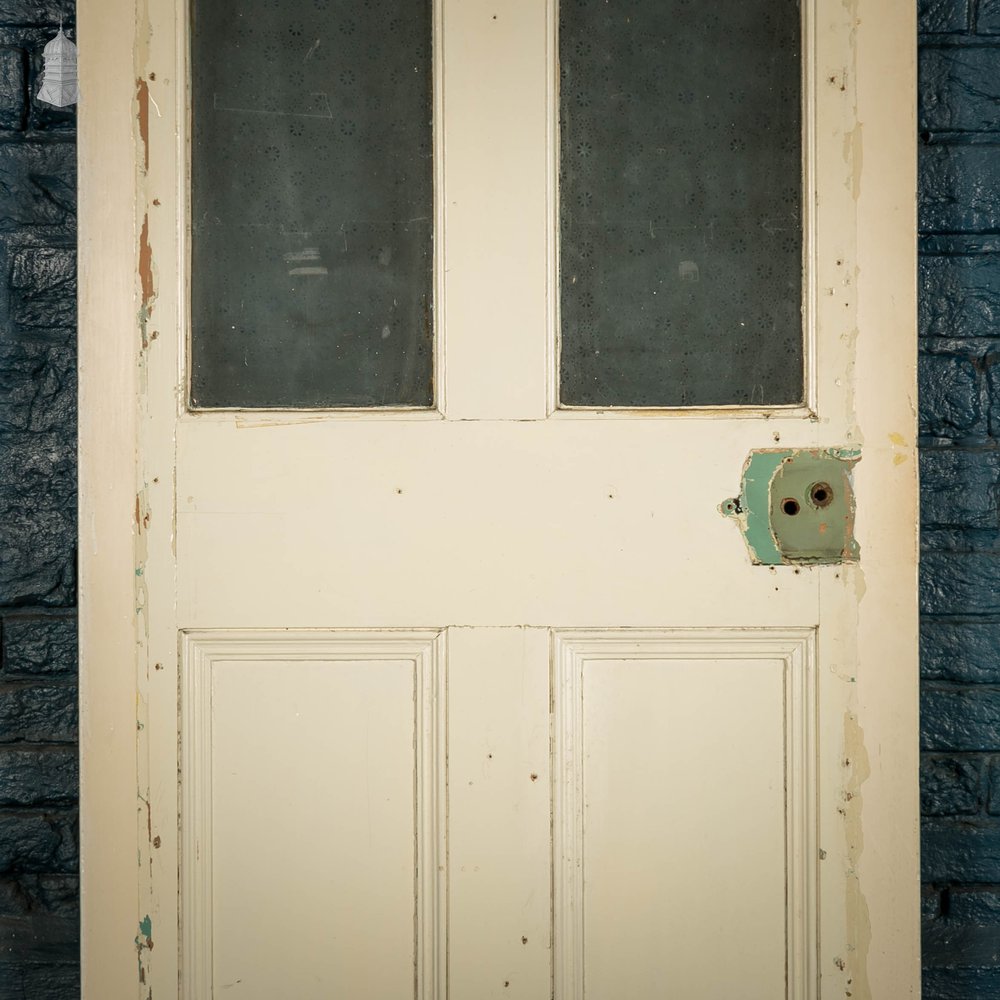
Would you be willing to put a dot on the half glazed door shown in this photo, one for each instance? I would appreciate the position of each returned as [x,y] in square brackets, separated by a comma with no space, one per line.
[498,520]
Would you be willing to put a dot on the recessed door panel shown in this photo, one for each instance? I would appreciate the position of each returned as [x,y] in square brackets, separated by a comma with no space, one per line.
[685,817]
[311,776]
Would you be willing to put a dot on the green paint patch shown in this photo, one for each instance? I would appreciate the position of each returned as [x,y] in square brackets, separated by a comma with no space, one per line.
[144,941]
[796,506]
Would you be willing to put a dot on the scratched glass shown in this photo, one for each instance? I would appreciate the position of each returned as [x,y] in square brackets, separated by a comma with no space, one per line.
[680,203]
[311,195]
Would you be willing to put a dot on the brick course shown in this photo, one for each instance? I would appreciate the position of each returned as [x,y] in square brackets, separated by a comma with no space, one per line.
[39,778]
[959,284]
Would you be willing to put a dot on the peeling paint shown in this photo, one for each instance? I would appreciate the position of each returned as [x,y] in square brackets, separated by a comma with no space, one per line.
[146,265]
[142,114]
[859,929]
[142,519]
[146,281]
[144,942]
[143,515]
[149,820]
[147,547]
[796,506]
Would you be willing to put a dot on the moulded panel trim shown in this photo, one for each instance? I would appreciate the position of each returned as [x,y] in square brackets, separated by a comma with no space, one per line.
[795,649]
[200,651]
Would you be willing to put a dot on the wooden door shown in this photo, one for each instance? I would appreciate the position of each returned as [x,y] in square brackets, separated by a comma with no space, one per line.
[488,698]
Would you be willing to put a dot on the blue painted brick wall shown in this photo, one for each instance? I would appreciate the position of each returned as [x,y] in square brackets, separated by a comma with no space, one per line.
[39,887]
[959,333]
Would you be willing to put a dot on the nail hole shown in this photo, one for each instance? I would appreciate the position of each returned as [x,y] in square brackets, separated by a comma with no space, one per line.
[790,506]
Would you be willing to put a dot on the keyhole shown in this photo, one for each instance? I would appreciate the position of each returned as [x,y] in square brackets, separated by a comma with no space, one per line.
[821,494]
[790,506]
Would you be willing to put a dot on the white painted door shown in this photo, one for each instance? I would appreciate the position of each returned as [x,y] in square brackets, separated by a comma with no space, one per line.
[489,700]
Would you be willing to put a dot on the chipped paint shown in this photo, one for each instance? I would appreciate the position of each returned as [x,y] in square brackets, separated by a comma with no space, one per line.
[146,282]
[142,512]
[758,470]
[149,819]
[859,931]
[817,527]
[142,520]
[144,943]
[146,266]
[142,115]
[153,538]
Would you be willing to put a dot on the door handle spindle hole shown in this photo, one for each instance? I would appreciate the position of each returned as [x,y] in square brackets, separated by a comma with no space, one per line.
[821,494]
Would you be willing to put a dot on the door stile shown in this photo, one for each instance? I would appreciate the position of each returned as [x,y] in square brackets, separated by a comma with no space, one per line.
[108,431]
[161,226]
[866,267]
[884,845]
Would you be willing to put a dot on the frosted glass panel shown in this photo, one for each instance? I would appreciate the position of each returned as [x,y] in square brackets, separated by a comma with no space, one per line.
[311,249]
[680,203]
